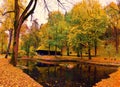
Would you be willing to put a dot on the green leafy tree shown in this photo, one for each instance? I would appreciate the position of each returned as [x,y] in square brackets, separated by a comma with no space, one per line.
[88,24]
[31,39]
[57,30]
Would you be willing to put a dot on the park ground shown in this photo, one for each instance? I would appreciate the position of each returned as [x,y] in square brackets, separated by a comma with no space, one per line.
[11,76]
[14,77]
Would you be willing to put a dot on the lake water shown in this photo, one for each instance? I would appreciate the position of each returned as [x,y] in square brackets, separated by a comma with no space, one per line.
[70,74]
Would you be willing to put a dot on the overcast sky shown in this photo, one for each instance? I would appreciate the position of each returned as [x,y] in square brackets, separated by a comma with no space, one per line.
[41,14]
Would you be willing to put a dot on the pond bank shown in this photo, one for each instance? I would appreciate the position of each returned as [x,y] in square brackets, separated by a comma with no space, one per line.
[13,77]
[113,81]
[95,60]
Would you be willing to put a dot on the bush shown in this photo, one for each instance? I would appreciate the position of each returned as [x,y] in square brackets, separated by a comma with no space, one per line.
[21,53]
[32,53]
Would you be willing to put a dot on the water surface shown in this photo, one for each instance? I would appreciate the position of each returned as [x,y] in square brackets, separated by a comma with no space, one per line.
[69,74]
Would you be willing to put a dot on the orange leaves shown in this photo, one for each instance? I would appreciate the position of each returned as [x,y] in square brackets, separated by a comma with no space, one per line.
[113,5]
[14,77]
[113,81]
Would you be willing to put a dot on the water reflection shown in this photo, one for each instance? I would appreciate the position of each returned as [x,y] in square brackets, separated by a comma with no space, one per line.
[82,75]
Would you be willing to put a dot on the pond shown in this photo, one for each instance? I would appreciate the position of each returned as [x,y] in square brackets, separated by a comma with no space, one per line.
[69,74]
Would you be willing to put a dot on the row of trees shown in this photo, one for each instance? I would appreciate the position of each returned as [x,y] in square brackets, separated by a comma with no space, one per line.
[82,27]
[79,28]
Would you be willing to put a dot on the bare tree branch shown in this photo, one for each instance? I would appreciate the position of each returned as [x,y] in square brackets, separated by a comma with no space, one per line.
[1,22]
[7,12]
[46,6]
[31,11]
[69,2]
[26,10]
[61,5]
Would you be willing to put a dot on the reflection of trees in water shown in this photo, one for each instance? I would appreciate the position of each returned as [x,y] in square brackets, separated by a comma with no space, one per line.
[95,74]
[83,75]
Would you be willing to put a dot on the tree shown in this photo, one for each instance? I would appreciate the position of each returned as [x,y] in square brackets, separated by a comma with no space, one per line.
[9,43]
[7,21]
[88,24]
[3,41]
[18,21]
[112,11]
[31,39]
[57,30]
[45,38]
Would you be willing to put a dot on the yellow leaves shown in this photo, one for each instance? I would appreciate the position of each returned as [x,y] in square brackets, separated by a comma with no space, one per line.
[55,16]
[112,9]
[74,29]
[87,11]
[117,24]
[113,15]
[78,11]
[113,5]
[87,26]
[9,4]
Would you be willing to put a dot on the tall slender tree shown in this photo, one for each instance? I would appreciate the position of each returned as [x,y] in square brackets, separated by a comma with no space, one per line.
[9,43]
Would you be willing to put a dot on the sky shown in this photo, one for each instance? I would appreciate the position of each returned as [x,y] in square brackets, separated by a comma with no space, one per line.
[41,15]
[105,2]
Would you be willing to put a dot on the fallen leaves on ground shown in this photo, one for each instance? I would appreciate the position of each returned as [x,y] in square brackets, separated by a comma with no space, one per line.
[13,77]
[113,81]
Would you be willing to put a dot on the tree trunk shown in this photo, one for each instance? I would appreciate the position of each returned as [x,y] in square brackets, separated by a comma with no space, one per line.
[68,49]
[19,19]
[81,54]
[116,40]
[95,46]
[15,48]
[16,34]
[55,50]
[78,52]
[49,50]
[61,51]
[89,51]
[2,45]
[81,47]
[28,49]
[9,43]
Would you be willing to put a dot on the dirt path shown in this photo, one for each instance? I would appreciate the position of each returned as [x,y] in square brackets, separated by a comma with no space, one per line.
[13,77]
